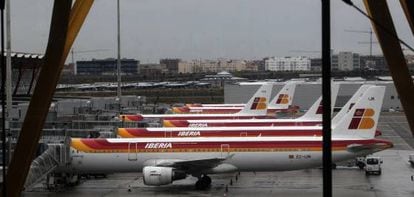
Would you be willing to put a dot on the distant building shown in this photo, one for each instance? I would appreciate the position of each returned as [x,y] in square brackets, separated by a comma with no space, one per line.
[410,62]
[208,66]
[288,64]
[106,67]
[334,62]
[171,64]
[253,65]
[260,64]
[68,69]
[316,64]
[230,65]
[185,67]
[373,63]
[152,70]
[348,61]
[410,59]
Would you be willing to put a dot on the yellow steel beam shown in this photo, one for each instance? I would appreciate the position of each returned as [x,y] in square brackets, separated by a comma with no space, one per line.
[391,48]
[65,26]
[408,7]
[40,102]
[77,17]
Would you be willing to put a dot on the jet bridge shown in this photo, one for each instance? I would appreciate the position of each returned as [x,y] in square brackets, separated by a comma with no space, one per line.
[56,155]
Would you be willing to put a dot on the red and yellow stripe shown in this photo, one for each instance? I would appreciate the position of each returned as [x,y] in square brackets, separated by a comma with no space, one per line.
[180,110]
[131,118]
[104,146]
[144,133]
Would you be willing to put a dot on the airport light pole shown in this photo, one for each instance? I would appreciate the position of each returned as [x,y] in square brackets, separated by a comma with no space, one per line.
[8,80]
[326,99]
[118,60]
[3,100]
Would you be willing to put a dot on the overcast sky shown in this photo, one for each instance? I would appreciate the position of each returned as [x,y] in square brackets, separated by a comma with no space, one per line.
[202,29]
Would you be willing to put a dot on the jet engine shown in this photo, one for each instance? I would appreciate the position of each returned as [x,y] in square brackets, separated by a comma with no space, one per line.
[161,175]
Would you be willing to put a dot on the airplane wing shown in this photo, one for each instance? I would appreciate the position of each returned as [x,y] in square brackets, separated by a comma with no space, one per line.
[197,165]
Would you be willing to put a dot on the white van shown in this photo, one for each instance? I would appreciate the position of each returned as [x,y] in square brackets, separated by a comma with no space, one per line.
[411,160]
[373,165]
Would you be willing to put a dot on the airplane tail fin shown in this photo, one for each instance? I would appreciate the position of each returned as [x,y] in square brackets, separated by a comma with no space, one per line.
[334,95]
[315,111]
[362,120]
[257,105]
[284,98]
[351,102]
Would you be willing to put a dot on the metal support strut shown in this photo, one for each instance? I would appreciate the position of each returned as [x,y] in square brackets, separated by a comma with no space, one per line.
[391,48]
[326,99]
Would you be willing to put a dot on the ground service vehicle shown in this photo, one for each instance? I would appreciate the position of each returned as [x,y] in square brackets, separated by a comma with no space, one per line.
[373,165]
[411,160]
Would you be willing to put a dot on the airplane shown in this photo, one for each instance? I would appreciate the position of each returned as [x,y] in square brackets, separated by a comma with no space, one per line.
[164,160]
[312,117]
[215,105]
[255,108]
[280,103]
[219,132]
[285,127]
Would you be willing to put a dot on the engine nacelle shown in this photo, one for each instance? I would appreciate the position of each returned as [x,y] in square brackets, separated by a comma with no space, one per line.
[161,175]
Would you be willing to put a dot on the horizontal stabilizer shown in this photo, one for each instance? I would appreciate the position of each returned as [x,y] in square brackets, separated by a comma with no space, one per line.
[357,148]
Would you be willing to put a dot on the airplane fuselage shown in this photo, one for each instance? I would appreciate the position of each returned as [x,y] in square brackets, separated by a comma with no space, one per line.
[244,154]
[219,132]
[240,123]
[190,116]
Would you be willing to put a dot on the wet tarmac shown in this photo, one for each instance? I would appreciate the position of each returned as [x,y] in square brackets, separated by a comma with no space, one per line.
[395,180]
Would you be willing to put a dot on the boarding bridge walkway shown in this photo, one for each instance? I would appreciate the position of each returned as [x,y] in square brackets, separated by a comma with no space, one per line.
[56,155]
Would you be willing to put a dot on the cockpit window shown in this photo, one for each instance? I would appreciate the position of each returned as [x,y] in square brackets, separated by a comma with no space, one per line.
[372,161]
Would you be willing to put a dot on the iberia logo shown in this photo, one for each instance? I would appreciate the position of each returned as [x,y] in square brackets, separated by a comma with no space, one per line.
[259,103]
[283,99]
[362,119]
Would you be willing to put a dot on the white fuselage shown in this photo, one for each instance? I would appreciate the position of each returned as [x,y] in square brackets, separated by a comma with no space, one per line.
[244,153]
[246,161]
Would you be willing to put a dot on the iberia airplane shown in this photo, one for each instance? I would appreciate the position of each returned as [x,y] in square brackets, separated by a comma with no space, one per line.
[280,103]
[255,108]
[311,118]
[164,160]
[291,128]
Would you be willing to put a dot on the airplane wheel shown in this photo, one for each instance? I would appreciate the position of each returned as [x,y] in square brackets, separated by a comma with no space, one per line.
[203,183]
[199,185]
[361,165]
[206,179]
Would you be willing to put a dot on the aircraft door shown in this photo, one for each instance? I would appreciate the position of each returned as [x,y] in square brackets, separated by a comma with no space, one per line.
[168,134]
[225,150]
[132,151]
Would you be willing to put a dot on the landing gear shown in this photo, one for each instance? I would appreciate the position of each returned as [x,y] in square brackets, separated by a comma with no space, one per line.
[360,165]
[203,183]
